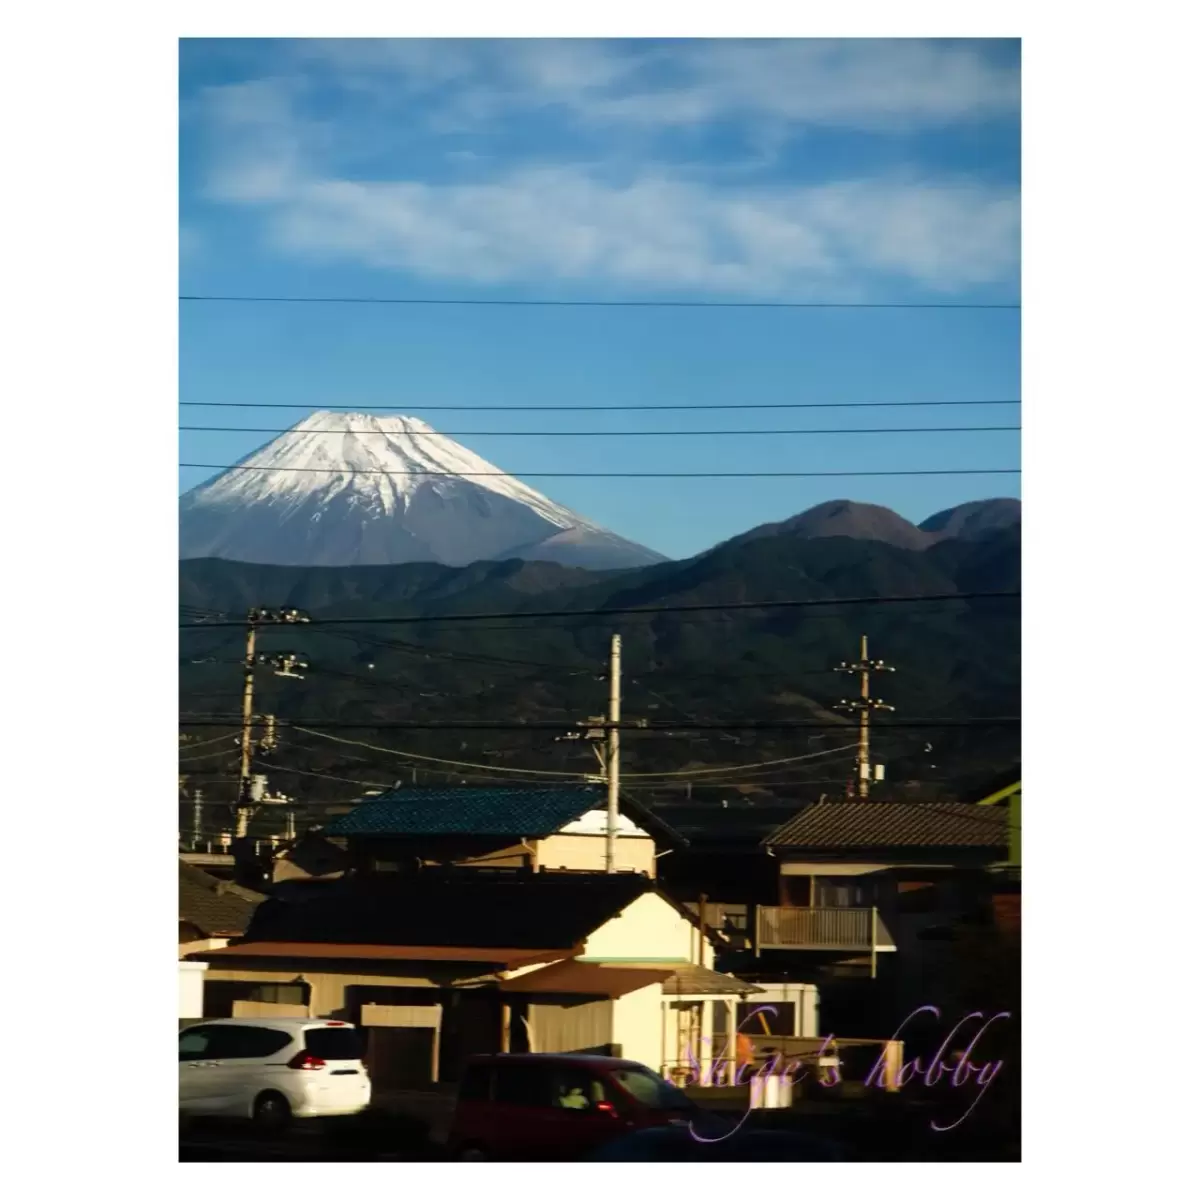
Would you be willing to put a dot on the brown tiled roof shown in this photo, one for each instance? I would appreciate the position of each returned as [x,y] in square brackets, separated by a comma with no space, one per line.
[835,826]
[508,957]
[468,908]
[586,979]
[216,908]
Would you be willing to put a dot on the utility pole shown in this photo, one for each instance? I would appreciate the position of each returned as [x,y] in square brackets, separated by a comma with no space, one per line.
[197,817]
[608,730]
[285,665]
[865,705]
[612,765]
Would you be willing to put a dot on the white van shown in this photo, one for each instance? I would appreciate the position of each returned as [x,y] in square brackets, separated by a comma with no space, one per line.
[271,1069]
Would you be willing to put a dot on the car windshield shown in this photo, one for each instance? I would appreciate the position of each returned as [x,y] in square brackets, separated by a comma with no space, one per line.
[649,1089]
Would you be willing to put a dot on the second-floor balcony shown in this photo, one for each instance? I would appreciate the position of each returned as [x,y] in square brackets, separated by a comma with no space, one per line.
[852,930]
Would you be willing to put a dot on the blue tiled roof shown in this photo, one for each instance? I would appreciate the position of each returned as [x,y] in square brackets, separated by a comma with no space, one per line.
[500,812]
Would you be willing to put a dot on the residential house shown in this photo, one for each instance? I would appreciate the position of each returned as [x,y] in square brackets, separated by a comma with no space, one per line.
[535,829]
[440,963]
[211,912]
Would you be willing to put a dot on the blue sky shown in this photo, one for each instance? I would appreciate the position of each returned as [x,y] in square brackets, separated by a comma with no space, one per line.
[697,170]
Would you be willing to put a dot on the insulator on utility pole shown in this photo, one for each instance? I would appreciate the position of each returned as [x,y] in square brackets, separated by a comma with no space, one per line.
[864,706]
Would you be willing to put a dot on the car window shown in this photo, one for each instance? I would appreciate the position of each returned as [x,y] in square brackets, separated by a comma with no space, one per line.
[649,1089]
[252,1041]
[523,1084]
[476,1083]
[576,1089]
[334,1044]
[195,1043]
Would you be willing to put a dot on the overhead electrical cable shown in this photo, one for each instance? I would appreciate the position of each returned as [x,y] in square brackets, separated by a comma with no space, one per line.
[589,433]
[606,474]
[504,302]
[724,606]
[422,407]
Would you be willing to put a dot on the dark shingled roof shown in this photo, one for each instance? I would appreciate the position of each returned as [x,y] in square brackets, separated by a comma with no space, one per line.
[216,908]
[834,826]
[500,812]
[469,909]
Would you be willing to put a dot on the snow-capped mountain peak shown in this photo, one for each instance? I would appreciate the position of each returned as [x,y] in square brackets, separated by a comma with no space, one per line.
[343,489]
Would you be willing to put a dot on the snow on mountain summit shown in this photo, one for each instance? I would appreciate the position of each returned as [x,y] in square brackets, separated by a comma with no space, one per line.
[342,489]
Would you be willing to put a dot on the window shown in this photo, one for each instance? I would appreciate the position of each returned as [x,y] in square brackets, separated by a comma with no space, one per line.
[252,1041]
[842,892]
[649,1089]
[230,1041]
[758,1019]
[334,1043]
[279,993]
[476,1084]
[522,1084]
[194,1043]
[576,1089]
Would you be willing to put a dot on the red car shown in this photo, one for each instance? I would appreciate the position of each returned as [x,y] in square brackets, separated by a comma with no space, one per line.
[540,1107]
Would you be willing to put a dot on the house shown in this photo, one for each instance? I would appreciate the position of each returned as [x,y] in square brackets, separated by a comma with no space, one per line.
[211,912]
[530,828]
[440,963]
[1008,796]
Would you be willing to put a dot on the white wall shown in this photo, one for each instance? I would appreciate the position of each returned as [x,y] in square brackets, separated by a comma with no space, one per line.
[191,990]
[648,930]
[637,1025]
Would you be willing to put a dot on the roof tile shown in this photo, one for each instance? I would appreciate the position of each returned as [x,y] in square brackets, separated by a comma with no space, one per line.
[857,823]
[499,812]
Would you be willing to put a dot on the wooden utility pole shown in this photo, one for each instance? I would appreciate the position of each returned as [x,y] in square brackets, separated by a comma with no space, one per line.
[285,665]
[197,817]
[243,806]
[612,763]
[864,706]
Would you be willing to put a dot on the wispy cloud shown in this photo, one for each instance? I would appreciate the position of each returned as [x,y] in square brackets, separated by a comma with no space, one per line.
[850,83]
[646,225]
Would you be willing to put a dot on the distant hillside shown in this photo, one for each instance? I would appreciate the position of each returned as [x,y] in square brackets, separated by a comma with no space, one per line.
[977,519]
[954,660]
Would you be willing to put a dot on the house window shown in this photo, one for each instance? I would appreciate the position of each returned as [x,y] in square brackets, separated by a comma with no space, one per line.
[757,1019]
[279,993]
[842,891]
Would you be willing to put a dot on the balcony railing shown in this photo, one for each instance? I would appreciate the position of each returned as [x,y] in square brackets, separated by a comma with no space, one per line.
[854,929]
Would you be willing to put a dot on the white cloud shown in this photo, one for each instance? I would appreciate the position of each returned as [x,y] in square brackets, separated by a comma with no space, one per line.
[561,224]
[644,227]
[851,83]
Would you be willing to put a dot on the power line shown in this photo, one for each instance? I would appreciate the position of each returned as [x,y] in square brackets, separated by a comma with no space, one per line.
[429,301]
[226,753]
[586,433]
[222,720]
[726,606]
[608,474]
[559,775]
[422,407]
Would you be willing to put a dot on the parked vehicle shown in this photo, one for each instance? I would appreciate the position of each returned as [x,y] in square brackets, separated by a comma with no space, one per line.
[673,1144]
[271,1069]
[539,1107]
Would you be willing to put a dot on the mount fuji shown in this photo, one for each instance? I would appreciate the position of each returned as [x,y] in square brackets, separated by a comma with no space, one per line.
[349,489]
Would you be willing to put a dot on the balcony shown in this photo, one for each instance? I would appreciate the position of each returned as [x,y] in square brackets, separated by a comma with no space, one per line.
[852,930]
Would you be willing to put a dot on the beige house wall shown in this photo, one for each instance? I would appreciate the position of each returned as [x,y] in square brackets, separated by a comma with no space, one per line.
[648,930]
[586,852]
[327,994]
[637,1025]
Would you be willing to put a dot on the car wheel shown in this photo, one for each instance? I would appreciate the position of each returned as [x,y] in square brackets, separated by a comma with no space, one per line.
[272,1113]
